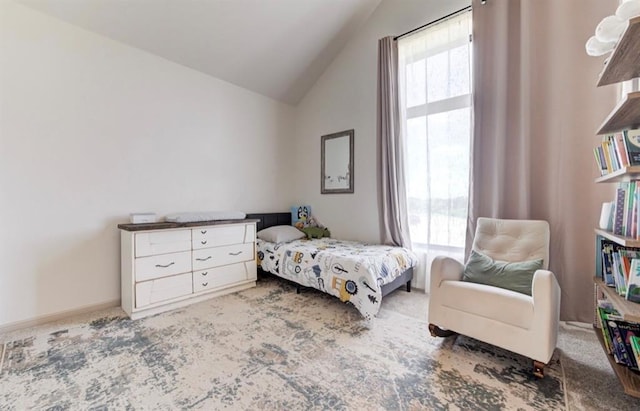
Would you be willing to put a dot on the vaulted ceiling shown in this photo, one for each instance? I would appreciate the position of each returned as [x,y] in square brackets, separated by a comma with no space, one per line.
[277,48]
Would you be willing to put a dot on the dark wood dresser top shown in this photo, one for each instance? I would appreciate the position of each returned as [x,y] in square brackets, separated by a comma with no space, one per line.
[167,225]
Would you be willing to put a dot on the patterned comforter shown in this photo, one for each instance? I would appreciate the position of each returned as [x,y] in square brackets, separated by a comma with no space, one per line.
[351,271]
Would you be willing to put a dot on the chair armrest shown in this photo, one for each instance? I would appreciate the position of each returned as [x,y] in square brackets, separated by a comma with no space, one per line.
[545,292]
[545,288]
[445,269]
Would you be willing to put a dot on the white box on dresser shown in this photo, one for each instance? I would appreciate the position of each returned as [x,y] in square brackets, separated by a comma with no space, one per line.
[170,265]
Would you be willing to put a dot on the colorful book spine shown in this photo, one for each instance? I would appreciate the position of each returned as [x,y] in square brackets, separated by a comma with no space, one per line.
[615,163]
[627,256]
[631,195]
[619,216]
[625,218]
[621,149]
[628,330]
[634,212]
[606,313]
[632,142]
[614,152]
[618,344]
[618,274]
[607,264]
[605,330]
[635,347]
[607,156]
[633,284]
[603,161]
[602,168]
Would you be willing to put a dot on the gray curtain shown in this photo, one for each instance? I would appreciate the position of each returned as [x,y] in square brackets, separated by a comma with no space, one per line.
[500,165]
[536,110]
[392,188]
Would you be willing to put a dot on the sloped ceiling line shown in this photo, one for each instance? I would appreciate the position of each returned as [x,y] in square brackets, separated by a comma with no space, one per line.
[277,48]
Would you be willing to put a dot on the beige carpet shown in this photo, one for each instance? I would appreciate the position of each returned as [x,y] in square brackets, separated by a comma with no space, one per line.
[268,348]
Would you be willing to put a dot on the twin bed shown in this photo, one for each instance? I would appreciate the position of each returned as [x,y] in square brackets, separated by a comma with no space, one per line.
[354,272]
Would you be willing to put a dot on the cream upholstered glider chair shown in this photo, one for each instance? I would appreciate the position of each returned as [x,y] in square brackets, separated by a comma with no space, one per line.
[527,325]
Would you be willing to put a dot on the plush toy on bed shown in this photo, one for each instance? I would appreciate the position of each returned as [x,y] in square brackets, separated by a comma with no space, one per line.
[303,220]
[316,232]
[300,216]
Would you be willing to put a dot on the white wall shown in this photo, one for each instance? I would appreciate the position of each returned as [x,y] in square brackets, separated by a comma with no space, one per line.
[344,98]
[91,130]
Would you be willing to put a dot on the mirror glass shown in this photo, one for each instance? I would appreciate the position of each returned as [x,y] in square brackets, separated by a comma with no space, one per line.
[337,163]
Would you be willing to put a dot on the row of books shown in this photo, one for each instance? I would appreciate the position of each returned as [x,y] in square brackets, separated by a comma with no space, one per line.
[618,151]
[621,269]
[624,211]
[621,338]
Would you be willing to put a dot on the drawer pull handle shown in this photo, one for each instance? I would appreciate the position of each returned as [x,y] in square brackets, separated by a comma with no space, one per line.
[205,284]
[203,231]
[238,253]
[204,273]
[203,259]
[165,266]
[203,242]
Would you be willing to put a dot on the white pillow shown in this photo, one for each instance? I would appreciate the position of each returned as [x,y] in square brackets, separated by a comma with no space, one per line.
[280,234]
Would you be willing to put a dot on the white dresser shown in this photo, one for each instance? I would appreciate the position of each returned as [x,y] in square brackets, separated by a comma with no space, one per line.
[170,265]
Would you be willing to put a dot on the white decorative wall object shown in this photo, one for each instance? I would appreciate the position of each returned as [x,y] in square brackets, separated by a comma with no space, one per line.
[610,29]
[595,47]
[628,9]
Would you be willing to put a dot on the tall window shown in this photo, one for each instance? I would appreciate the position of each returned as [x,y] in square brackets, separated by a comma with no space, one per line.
[435,88]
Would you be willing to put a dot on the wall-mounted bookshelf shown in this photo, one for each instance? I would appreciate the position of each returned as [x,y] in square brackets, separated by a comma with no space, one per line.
[630,311]
[624,63]
[625,115]
[622,175]
[628,379]
[622,240]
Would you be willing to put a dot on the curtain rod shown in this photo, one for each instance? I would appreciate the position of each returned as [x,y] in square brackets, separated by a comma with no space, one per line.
[433,22]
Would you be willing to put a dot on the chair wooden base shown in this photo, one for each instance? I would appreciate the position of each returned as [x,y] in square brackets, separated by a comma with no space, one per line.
[538,367]
[439,332]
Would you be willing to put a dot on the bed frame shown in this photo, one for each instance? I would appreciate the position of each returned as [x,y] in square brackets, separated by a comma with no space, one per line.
[267,220]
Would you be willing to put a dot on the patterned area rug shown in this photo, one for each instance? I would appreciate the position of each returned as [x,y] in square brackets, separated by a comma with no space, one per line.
[268,348]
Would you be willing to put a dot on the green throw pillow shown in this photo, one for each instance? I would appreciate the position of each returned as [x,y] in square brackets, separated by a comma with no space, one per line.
[517,276]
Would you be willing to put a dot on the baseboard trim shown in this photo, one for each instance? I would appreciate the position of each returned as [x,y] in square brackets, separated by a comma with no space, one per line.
[577,324]
[61,315]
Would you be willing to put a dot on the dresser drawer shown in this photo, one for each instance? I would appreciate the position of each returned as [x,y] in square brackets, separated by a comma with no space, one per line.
[216,236]
[158,263]
[162,289]
[162,242]
[216,256]
[218,277]
[156,266]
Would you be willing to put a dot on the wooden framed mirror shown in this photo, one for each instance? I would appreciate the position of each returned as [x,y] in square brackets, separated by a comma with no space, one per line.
[336,174]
